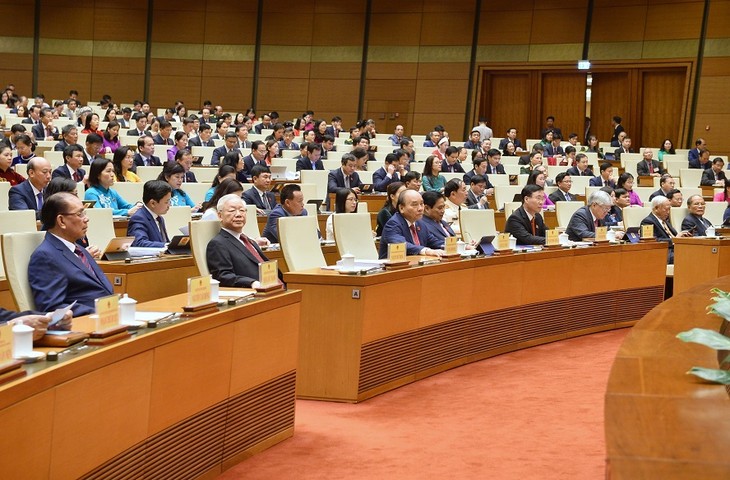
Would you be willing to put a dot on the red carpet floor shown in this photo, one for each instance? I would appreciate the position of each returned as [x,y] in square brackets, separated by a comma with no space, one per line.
[532,414]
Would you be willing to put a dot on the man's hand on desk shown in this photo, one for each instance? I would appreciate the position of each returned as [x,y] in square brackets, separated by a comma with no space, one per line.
[39,323]
[94,251]
[263,242]
[432,252]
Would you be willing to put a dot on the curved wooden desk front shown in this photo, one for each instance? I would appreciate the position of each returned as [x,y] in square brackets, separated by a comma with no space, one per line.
[408,324]
[661,422]
[184,401]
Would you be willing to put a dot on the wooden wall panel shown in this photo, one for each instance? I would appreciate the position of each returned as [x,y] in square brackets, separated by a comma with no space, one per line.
[442,96]
[60,19]
[662,93]
[672,22]
[559,25]
[509,105]
[448,28]
[629,19]
[506,27]
[117,23]
[610,94]
[394,29]
[22,18]
[563,96]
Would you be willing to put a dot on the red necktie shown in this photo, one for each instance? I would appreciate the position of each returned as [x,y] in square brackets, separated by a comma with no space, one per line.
[77,176]
[85,261]
[595,223]
[247,243]
[414,234]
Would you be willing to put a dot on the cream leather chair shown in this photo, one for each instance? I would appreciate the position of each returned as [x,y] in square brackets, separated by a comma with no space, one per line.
[196,191]
[130,191]
[175,218]
[565,210]
[101,227]
[676,215]
[204,175]
[13,221]
[353,235]
[300,243]
[510,207]
[504,194]
[201,233]
[691,177]
[714,211]
[17,249]
[206,153]
[475,224]
[634,215]
[148,173]
[4,191]
[318,178]
[251,229]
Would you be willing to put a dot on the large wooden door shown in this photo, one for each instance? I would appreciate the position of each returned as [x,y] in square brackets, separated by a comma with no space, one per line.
[660,113]
[389,113]
[506,102]
[610,97]
[563,96]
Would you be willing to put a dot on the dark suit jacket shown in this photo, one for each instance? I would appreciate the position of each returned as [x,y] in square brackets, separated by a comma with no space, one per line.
[551,151]
[271,230]
[336,179]
[470,174]
[519,225]
[381,180]
[436,234]
[617,153]
[455,168]
[499,167]
[700,224]
[658,193]
[396,231]
[252,197]
[60,146]
[29,121]
[143,227]
[708,177]
[21,197]
[574,172]
[7,315]
[292,145]
[694,154]
[249,162]
[154,161]
[661,235]
[643,169]
[581,225]
[39,131]
[135,133]
[503,143]
[305,164]
[695,163]
[218,153]
[190,177]
[598,182]
[231,263]
[57,277]
[617,129]
[197,142]
[161,141]
[559,196]
[63,172]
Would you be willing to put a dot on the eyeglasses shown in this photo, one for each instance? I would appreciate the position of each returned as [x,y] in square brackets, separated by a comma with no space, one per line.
[80,213]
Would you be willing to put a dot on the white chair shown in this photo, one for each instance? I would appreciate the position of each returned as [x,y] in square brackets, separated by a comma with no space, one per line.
[504,194]
[289,163]
[499,180]
[318,178]
[565,210]
[365,177]
[54,156]
[130,191]
[688,192]
[148,173]
[714,211]
[674,167]
[310,191]
[101,227]
[4,192]
[201,233]
[644,193]
[251,228]
[196,191]
[17,249]
[362,207]
[676,215]
[300,243]
[578,187]
[634,215]
[175,218]
[205,153]
[476,224]
[353,235]
[14,221]
[205,174]
[450,176]
[691,177]
[510,207]
[331,164]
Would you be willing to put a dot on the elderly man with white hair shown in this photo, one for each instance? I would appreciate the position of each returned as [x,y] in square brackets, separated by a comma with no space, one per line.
[233,258]
[663,229]
[584,221]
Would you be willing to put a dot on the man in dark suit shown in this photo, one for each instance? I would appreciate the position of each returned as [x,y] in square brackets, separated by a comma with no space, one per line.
[451,161]
[147,224]
[203,137]
[666,185]
[335,127]
[584,221]
[479,167]
[34,115]
[550,125]
[581,168]
[695,222]
[145,156]
[256,157]
[562,194]
[554,149]
[45,129]
[604,179]
[233,258]
[165,135]
[73,159]
[702,161]
[292,204]
[92,148]
[221,151]
[663,229]
[526,223]
[714,175]
[345,176]
[624,148]
[406,226]
[494,157]
[387,174]
[69,136]
[511,137]
[617,129]
[694,154]
[648,166]
[434,204]
[185,159]
[477,197]
[28,195]
[140,120]
[260,195]
[265,124]
[310,158]
[59,271]
[288,143]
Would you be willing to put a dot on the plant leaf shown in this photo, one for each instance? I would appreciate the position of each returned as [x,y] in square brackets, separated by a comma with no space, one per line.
[720,292]
[711,374]
[727,359]
[720,307]
[708,338]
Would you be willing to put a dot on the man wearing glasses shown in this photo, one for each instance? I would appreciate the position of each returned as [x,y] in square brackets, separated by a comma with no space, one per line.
[584,221]
[60,271]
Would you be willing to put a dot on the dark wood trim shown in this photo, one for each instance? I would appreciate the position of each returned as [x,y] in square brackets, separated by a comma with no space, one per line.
[689,141]
[364,62]
[148,51]
[468,121]
[36,45]
[257,54]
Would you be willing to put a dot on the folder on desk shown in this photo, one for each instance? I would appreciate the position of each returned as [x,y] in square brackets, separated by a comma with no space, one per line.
[118,248]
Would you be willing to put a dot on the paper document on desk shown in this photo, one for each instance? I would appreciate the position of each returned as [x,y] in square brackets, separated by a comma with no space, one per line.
[361,263]
[151,316]
[145,251]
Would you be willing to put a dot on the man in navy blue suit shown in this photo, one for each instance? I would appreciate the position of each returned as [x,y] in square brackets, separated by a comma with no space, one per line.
[292,204]
[147,225]
[257,156]
[312,160]
[434,204]
[145,156]
[604,179]
[73,158]
[59,271]
[405,226]
[387,174]
[29,195]
[260,195]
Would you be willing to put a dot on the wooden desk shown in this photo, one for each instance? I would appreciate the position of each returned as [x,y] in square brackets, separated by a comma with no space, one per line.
[698,260]
[150,279]
[184,401]
[6,298]
[412,323]
[645,181]
[660,422]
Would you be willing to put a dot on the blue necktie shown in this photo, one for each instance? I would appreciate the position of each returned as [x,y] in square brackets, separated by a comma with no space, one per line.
[39,200]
